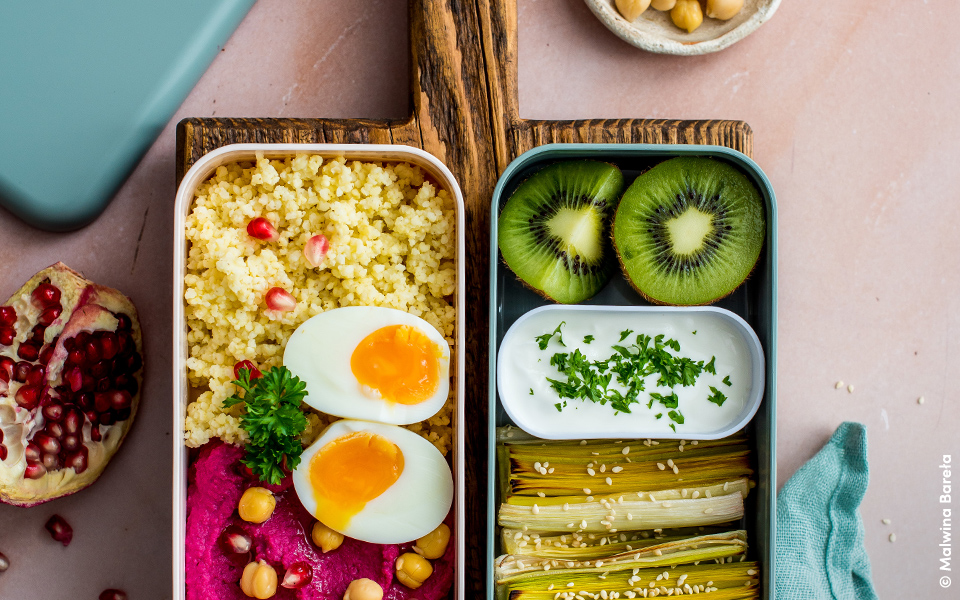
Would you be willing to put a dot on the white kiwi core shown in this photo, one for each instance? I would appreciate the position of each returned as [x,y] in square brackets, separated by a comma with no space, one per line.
[688,230]
[579,229]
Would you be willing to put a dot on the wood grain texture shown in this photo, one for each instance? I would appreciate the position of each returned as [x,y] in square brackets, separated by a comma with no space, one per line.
[464,87]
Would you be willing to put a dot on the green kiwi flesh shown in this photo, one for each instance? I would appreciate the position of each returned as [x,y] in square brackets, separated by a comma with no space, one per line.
[689,231]
[553,231]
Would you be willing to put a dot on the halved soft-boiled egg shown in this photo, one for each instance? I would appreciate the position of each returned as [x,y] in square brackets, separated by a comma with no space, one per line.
[372,363]
[374,482]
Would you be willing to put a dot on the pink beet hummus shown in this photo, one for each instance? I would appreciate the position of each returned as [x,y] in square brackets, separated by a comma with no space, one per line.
[214,491]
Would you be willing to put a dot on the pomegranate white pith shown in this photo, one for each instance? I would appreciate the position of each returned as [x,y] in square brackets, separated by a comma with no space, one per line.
[69,384]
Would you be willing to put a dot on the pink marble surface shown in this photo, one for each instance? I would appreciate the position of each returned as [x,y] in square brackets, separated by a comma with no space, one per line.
[851,104]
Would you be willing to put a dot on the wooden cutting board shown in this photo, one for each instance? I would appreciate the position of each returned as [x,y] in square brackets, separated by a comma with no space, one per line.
[465,111]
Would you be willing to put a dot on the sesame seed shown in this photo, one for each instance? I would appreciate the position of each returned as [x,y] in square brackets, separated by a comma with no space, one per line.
[725,485]
[609,481]
[583,442]
[676,471]
[586,491]
[920,400]
[680,448]
[569,525]
[589,498]
[603,468]
[570,584]
[751,572]
[683,578]
[694,443]
[661,466]
[549,587]
[626,450]
[658,552]
[520,564]
[885,521]
[583,524]
[616,469]
[696,494]
[683,493]
[708,511]
[536,466]
[595,453]
[591,472]
[655,442]
[838,385]
[535,510]
[850,388]
[629,517]
[541,494]
[893,537]
[652,499]
[707,493]
[566,506]
[666,505]
[670,462]
[627,458]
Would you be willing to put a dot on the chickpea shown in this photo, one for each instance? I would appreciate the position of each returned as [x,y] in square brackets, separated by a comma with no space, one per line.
[325,538]
[663,4]
[434,544]
[413,570]
[363,589]
[723,9]
[631,9]
[259,580]
[687,14]
[256,505]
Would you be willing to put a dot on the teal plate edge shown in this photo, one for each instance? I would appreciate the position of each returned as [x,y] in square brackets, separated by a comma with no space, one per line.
[765,421]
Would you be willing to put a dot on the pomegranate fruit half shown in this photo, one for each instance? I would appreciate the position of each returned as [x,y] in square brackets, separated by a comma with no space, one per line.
[71,364]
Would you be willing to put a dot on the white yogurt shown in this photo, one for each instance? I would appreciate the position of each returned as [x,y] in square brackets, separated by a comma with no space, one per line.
[522,367]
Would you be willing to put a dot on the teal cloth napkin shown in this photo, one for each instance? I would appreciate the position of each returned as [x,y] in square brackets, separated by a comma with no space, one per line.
[820,551]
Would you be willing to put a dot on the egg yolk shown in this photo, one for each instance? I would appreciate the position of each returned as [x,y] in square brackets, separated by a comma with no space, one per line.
[350,471]
[399,362]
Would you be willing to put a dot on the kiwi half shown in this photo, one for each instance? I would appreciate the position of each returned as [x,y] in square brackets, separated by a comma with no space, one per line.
[553,231]
[689,231]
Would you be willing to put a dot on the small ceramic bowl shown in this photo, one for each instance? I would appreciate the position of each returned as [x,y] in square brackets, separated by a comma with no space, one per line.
[654,31]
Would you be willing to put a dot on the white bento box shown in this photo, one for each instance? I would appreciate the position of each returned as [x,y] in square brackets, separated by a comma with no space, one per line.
[199,172]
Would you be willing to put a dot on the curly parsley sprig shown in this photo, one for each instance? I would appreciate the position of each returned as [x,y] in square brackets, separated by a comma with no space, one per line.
[273,420]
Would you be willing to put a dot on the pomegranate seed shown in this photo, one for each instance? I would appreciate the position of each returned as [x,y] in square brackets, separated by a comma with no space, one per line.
[28,351]
[108,418]
[28,397]
[1,436]
[280,300]
[51,462]
[134,362]
[77,460]
[8,315]
[72,421]
[74,379]
[48,316]
[21,370]
[89,383]
[95,434]
[36,374]
[119,399]
[91,352]
[85,401]
[70,443]
[74,357]
[103,384]
[4,377]
[3,454]
[109,345]
[48,444]
[6,365]
[45,295]
[297,576]
[53,411]
[4,562]
[59,529]
[315,250]
[54,430]
[99,370]
[236,545]
[123,414]
[248,365]
[101,402]
[32,452]
[123,322]
[34,471]
[6,335]
[262,229]
[113,594]
[46,353]
[36,334]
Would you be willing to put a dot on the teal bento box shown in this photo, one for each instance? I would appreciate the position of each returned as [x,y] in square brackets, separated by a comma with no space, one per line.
[755,301]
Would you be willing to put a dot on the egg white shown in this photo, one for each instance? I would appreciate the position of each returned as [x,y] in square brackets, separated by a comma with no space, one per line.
[319,353]
[410,508]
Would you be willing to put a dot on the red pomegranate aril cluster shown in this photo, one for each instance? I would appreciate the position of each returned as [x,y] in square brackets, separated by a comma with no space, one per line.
[8,319]
[98,385]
